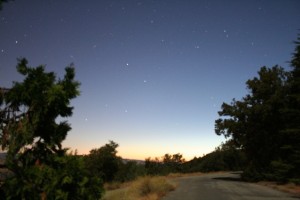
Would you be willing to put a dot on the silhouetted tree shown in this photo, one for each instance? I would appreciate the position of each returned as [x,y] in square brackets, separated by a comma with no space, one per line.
[129,170]
[154,166]
[289,163]
[32,137]
[167,164]
[225,157]
[254,123]
[104,162]
[266,123]
[173,163]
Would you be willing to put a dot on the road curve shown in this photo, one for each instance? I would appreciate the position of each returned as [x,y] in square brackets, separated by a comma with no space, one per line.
[222,186]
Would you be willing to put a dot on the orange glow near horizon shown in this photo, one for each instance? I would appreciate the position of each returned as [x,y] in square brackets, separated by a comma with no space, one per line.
[141,152]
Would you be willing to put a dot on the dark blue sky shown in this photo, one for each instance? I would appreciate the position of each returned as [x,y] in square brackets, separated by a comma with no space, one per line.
[154,73]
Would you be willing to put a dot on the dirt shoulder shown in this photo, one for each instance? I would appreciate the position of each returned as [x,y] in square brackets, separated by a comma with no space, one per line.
[290,187]
[227,185]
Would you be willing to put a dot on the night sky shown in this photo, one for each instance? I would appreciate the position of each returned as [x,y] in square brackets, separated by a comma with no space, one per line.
[153,73]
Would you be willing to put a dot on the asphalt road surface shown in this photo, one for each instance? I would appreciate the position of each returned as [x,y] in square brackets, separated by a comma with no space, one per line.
[223,186]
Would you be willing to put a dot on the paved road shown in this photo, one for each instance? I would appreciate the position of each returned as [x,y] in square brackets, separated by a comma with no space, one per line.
[223,186]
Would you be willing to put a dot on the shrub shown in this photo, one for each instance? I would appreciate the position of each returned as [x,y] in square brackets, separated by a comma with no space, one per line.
[145,186]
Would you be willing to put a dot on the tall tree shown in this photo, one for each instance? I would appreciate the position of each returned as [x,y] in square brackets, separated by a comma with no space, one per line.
[32,136]
[104,162]
[266,123]
[173,163]
[289,164]
[254,123]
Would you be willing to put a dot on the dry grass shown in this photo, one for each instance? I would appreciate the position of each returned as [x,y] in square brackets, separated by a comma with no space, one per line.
[153,188]
[113,186]
[144,188]
[177,175]
[290,187]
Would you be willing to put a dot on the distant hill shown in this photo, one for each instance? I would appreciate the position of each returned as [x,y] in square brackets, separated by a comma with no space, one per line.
[141,162]
[3,156]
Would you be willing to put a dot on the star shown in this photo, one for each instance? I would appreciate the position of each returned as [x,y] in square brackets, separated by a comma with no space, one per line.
[17,42]
[225,31]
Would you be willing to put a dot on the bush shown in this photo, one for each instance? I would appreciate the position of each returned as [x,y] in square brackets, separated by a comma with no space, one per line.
[129,171]
[104,162]
[279,171]
[144,188]
[252,175]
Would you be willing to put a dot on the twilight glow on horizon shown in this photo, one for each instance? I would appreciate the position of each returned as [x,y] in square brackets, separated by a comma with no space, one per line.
[153,73]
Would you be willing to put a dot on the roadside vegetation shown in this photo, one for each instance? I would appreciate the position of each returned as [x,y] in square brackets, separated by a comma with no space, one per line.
[263,132]
[265,124]
[32,137]
[143,188]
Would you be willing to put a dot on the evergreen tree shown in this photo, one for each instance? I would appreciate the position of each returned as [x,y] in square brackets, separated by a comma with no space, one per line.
[266,123]
[32,137]
[104,162]
[254,123]
[289,164]
[173,163]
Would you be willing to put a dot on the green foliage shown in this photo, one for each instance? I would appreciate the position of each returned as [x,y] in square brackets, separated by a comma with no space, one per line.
[129,170]
[291,144]
[168,164]
[104,162]
[226,157]
[154,167]
[295,63]
[279,171]
[252,174]
[32,136]
[266,123]
[68,180]
[173,163]
[255,122]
